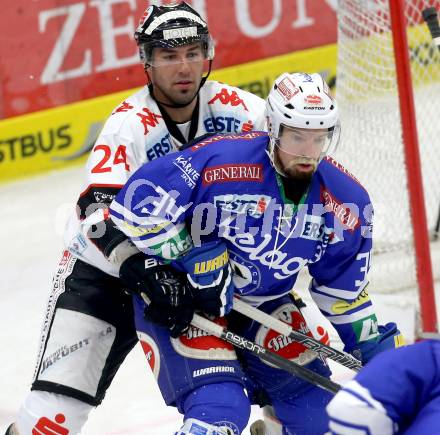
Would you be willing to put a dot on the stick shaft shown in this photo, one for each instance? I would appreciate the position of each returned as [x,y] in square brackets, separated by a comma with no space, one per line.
[266,355]
[261,352]
[321,349]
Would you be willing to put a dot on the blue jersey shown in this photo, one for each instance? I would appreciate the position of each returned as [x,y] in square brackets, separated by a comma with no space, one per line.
[397,392]
[224,187]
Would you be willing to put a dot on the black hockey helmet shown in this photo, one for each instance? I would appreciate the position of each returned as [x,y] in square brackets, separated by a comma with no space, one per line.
[171,26]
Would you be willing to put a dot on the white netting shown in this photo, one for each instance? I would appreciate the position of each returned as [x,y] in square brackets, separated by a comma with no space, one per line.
[372,146]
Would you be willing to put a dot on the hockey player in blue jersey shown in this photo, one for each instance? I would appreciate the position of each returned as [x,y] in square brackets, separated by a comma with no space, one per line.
[398,392]
[243,217]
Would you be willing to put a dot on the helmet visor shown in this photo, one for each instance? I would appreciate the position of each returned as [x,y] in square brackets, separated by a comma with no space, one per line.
[166,52]
[311,144]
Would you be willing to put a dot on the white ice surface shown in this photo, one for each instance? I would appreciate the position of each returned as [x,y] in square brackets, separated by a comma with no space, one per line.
[33,213]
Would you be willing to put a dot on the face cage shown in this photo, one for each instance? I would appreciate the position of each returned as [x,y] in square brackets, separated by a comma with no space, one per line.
[146,48]
[329,149]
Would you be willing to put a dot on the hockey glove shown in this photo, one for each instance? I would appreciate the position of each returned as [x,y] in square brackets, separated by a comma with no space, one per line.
[389,338]
[171,303]
[210,278]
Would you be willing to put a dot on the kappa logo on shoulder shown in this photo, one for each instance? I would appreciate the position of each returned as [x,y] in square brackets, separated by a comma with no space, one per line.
[228,98]
[149,119]
[123,107]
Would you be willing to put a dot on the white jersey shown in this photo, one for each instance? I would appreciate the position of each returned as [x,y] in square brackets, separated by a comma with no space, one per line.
[136,133]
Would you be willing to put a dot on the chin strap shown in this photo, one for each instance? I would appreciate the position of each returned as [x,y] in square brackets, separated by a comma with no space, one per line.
[174,130]
[177,105]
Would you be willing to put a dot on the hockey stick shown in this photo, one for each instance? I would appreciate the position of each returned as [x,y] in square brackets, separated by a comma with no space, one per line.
[321,349]
[265,354]
[261,352]
[431,19]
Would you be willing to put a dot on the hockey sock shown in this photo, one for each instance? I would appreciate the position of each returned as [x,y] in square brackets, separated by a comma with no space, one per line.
[220,404]
[43,411]
[197,427]
[303,413]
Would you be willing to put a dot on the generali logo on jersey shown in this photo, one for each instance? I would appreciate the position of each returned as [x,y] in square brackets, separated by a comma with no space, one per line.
[342,212]
[229,173]
[225,97]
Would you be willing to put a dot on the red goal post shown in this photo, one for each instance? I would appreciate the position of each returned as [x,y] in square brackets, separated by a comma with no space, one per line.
[388,90]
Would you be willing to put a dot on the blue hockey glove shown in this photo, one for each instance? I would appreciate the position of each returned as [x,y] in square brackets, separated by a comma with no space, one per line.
[389,338]
[209,276]
[171,304]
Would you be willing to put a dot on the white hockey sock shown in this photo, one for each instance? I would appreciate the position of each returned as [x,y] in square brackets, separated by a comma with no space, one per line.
[59,414]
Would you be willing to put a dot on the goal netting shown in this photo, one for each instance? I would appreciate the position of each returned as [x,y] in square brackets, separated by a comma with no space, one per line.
[371,143]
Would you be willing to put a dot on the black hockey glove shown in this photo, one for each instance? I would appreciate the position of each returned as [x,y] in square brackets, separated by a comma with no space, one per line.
[171,303]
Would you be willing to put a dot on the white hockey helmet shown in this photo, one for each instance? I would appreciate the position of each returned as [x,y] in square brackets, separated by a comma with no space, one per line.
[301,101]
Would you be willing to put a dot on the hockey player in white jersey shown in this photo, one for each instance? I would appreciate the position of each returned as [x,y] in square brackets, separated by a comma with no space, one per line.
[89,328]
[396,393]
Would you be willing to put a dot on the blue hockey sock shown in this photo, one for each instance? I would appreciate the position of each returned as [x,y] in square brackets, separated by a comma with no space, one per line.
[220,404]
[304,413]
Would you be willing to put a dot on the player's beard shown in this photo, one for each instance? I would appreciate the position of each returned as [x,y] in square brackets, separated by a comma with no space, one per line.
[294,172]
[178,97]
